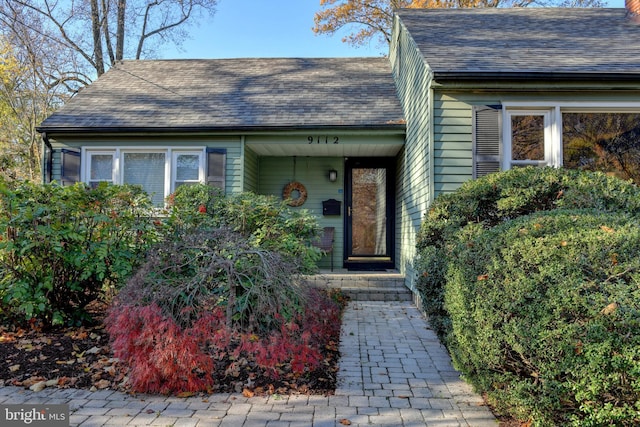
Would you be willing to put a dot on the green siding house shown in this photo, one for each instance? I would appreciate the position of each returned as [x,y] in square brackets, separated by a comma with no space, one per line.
[463,92]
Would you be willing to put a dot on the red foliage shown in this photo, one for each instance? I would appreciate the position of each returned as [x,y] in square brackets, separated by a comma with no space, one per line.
[164,358]
[299,342]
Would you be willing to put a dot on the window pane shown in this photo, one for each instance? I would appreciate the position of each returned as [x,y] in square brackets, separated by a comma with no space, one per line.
[527,137]
[101,167]
[187,167]
[147,170]
[606,142]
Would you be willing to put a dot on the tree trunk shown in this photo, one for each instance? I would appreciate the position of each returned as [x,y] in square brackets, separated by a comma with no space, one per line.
[122,5]
[97,39]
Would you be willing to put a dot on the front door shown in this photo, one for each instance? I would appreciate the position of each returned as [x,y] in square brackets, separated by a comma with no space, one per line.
[369,215]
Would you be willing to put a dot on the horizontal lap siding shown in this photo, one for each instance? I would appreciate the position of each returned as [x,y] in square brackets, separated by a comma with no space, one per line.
[251,171]
[413,79]
[312,172]
[453,163]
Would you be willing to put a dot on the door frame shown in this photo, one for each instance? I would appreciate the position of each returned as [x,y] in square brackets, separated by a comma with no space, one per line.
[370,262]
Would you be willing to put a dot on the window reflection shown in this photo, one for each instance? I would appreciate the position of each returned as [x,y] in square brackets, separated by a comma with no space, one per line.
[606,142]
[527,137]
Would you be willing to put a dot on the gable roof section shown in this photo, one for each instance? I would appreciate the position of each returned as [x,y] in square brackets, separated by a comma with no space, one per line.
[569,42]
[234,95]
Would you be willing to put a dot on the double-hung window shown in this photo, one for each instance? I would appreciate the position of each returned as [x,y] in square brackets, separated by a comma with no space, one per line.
[158,170]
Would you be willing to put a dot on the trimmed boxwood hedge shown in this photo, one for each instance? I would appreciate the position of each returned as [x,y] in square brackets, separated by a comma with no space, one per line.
[500,197]
[545,313]
[539,271]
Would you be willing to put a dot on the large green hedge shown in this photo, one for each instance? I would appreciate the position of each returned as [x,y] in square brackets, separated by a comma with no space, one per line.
[63,247]
[545,313]
[501,197]
[531,278]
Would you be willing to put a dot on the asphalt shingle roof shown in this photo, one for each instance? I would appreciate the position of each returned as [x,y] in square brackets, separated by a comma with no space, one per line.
[526,40]
[234,94]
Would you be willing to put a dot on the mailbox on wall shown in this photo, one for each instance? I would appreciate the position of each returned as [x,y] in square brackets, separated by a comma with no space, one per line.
[331,207]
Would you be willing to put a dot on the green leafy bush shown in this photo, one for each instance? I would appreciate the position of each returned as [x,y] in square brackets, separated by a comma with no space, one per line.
[545,313]
[500,197]
[265,221]
[64,246]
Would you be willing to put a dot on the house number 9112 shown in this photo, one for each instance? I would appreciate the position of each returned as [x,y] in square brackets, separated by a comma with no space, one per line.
[323,140]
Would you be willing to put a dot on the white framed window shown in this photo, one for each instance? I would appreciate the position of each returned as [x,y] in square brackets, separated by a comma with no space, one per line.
[158,170]
[188,168]
[102,167]
[601,137]
[528,138]
[148,169]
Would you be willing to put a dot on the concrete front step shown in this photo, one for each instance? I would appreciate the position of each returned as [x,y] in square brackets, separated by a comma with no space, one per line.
[374,286]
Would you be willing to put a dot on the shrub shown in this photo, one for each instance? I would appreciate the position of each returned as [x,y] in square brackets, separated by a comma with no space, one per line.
[195,206]
[64,246]
[165,356]
[200,269]
[240,258]
[545,313]
[500,197]
[266,222]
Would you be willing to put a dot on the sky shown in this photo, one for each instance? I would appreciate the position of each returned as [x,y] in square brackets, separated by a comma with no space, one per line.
[265,28]
[270,28]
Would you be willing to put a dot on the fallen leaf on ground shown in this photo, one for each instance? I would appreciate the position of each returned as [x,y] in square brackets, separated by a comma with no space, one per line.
[93,350]
[102,384]
[186,394]
[39,386]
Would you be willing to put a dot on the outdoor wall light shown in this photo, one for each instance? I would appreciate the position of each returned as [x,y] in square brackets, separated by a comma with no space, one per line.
[333,175]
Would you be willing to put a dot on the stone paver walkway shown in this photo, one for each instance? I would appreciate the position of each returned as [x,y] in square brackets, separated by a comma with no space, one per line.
[393,372]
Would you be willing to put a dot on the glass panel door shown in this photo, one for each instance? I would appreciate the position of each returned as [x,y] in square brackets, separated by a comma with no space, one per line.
[368,211]
[369,216]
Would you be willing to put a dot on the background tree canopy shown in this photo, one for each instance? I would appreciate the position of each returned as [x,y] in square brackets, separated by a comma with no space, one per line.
[50,49]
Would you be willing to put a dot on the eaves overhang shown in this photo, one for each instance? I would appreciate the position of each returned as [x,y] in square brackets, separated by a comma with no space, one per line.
[444,77]
[396,127]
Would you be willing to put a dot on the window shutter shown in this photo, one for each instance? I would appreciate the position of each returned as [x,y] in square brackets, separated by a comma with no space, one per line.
[216,160]
[487,139]
[69,167]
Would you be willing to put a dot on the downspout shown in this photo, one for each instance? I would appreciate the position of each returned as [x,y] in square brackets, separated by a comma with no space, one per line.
[48,161]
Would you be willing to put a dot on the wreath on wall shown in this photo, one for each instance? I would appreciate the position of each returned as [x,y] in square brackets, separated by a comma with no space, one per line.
[292,188]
